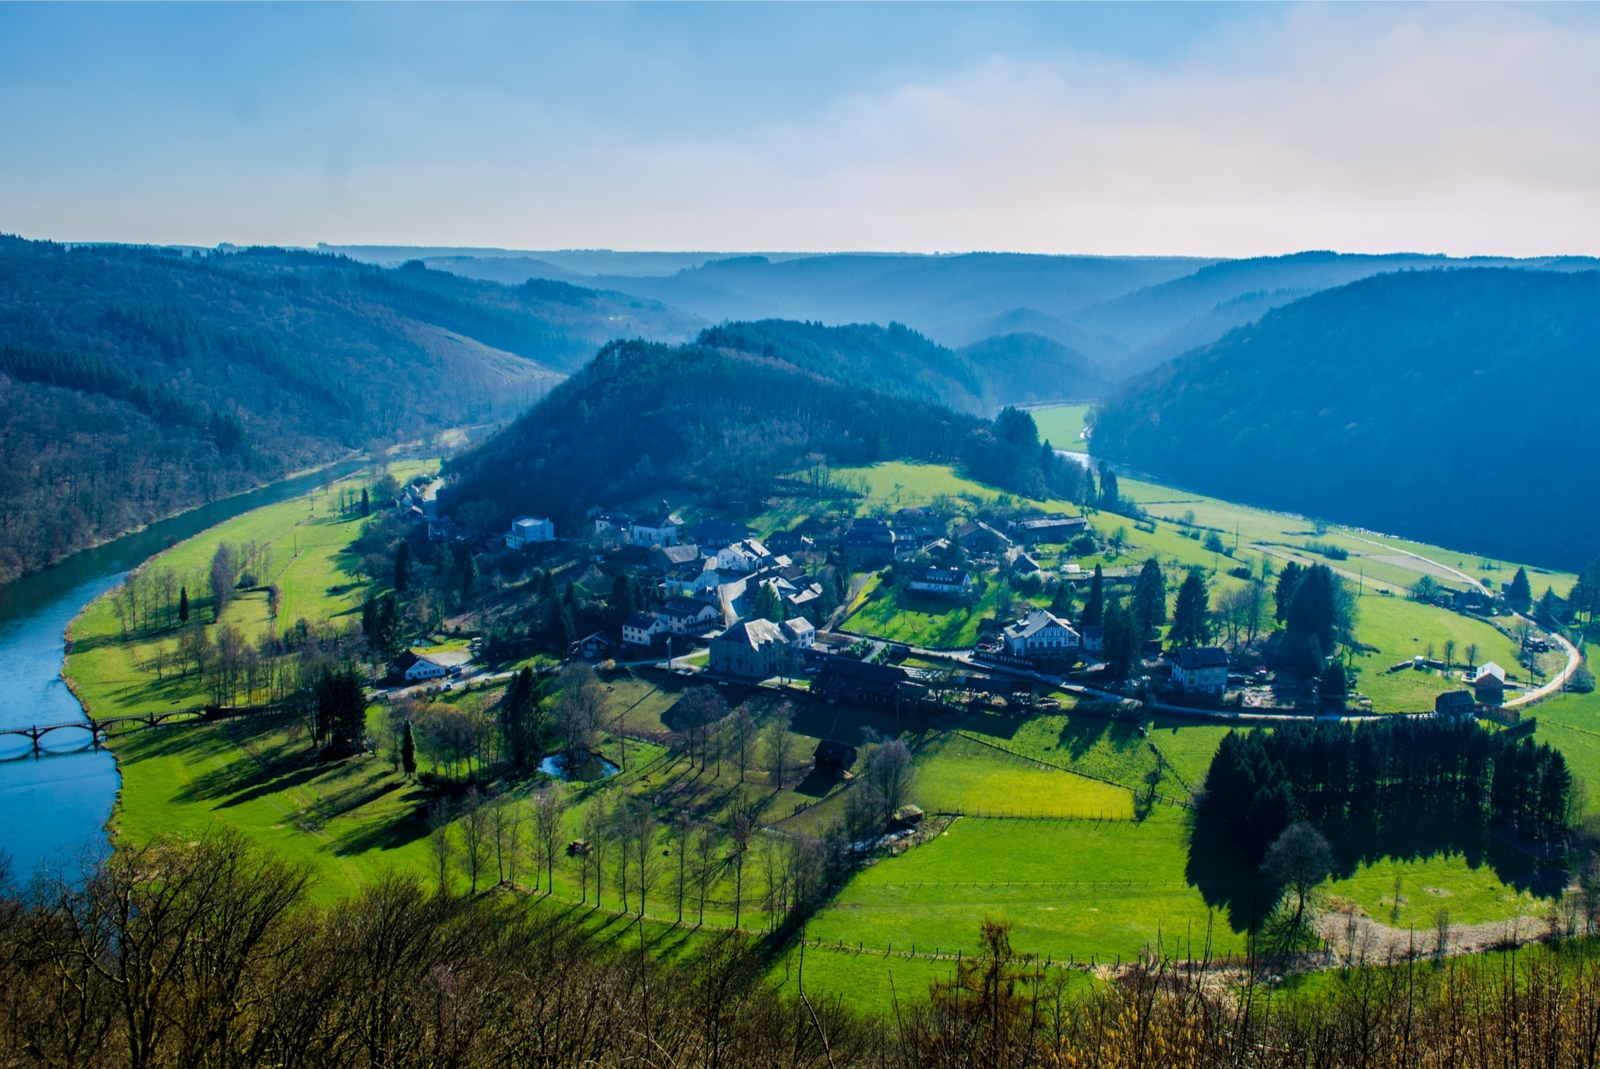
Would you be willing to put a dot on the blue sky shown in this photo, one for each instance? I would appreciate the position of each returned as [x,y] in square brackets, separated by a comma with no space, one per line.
[1104,128]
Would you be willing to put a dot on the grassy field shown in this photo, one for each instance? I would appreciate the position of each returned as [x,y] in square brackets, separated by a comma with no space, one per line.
[905,616]
[958,774]
[899,484]
[1104,886]
[310,563]
[1062,425]
[1403,629]
[1071,889]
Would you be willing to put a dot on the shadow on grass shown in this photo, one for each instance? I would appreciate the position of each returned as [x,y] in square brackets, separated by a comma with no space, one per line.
[1230,881]
[391,833]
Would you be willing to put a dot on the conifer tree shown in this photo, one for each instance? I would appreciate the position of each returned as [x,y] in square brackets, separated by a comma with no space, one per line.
[469,576]
[1190,626]
[408,751]
[1121,640]
[402,566]
[366,503]
[1520,596]
[1108,489]
[1094,610]
[768,606]
[520,726]
[1150,598]
[183,605]
[1283,593]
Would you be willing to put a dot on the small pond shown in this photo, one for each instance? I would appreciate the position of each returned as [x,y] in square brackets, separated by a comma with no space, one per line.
[588,767]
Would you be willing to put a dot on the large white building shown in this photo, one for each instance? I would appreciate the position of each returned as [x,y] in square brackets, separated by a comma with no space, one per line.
[1042,634]
[526,530]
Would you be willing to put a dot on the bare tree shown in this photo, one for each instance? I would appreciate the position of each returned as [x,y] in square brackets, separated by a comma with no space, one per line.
[741,826]
[707,841]
[515,819]
[499,813]
[779,746]
[547,822]
[579,710]
[743,735]
[682,829]
[646,858]
[474,836]
[439,841]
[889,773]
[698,710]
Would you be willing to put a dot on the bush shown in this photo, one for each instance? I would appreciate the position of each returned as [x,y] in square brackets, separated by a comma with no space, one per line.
[1582,681]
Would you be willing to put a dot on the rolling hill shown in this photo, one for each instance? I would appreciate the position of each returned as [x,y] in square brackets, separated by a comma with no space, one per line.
[142,381]
[726,419]
[1447,405]
[1125,313]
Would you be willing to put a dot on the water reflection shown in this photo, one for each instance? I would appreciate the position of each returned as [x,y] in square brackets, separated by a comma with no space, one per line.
[588,767]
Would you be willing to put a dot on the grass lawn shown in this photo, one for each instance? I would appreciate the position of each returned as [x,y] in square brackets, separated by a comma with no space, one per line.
[1188,747]
[1471,895]
[1062,425]
[1070,889]
[1571,723]
[1403,629]
[346,820]
[309,558]
[901,484]
[957,774]
[906,616]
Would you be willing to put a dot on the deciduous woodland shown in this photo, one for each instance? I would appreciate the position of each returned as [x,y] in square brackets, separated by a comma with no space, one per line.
[207,954]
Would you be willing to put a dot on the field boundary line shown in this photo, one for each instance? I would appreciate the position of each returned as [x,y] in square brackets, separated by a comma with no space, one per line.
[963,733]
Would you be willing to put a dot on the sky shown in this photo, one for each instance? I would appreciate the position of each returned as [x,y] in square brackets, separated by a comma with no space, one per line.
[1150,128]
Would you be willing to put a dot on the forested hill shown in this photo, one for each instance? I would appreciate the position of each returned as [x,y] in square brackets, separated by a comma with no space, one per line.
[136,382]
[979,379]
[1449,406]
[726,424]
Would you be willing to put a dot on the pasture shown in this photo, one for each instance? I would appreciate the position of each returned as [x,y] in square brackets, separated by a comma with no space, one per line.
[1061,426]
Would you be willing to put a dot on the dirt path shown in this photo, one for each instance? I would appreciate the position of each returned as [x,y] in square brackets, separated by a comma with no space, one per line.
[1357,938]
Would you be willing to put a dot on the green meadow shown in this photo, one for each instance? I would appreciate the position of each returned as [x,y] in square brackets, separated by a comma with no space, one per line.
[1061,425]
[1064,861]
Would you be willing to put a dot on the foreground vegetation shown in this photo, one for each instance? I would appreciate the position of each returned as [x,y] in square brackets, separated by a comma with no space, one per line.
[209,953]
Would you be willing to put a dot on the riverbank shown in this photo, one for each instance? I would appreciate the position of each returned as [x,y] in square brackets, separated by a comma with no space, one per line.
[56,804]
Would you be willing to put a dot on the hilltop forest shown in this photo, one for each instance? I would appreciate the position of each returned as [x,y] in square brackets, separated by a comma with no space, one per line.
[1442,404]
[137,382]
[729,423]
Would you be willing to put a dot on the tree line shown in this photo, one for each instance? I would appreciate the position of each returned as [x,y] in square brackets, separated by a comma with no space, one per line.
[1384,773]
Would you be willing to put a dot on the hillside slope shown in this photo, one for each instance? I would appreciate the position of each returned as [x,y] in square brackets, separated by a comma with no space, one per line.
[138,382]
[980,379]
[1417,402]
[726,424]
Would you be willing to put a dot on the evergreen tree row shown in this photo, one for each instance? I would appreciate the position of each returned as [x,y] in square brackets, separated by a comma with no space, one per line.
[1261,781]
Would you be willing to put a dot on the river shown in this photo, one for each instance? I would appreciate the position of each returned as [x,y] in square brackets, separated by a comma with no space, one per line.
[54,804]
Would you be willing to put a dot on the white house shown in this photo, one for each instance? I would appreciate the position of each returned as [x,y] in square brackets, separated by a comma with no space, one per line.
[1042,634]
[1200,671]
[660,528]
[414,667]
[949,581]
[641,628]
[799,632]
[526,530]
[686,617]
[743,557]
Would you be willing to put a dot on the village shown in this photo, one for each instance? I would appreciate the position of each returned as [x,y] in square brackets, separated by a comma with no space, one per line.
[733,607]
